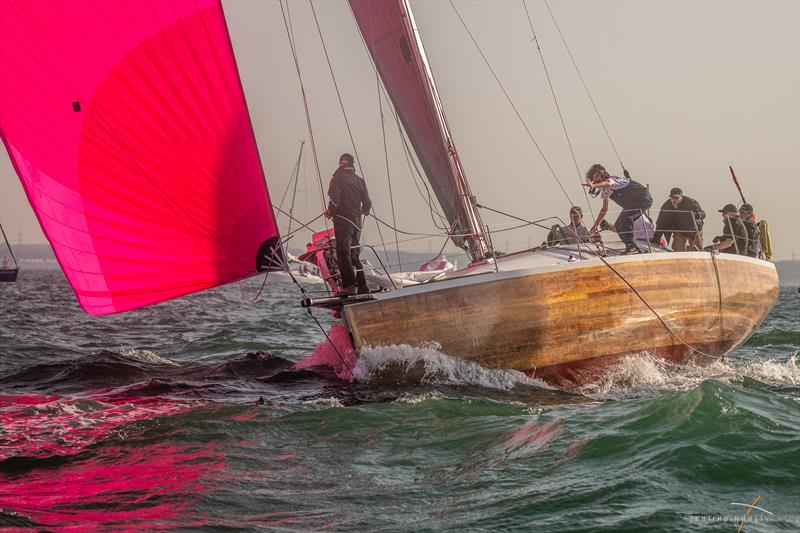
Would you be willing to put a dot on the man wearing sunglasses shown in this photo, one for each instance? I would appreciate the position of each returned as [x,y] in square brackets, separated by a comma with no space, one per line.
[681,218]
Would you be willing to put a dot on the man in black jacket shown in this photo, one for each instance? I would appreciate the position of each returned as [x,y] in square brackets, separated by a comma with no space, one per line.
[753,233]
[734,234]
[349,200]
[681,218]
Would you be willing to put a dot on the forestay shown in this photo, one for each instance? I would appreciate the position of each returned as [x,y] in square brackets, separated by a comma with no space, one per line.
[127,124]
[387,28]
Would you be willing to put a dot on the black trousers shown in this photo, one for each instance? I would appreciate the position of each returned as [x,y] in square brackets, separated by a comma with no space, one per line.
[347,236]
[624,223]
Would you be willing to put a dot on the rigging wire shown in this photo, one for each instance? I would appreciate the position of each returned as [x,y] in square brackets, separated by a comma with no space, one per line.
[386,156]
[344,114]
[295,175]
[508,98]
[306,225]
[586,87]
[289,35]
[558,108]
[409,158]
[294,192]
[674,335]
[341,358]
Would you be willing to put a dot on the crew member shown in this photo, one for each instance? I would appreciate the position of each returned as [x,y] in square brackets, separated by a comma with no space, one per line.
[681,218]
[734,234]
[349,200]
[630,195]
[575,231]
[753,234]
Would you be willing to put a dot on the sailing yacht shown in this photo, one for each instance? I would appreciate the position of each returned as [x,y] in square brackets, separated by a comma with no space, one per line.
[130,133]
[564,313]
[7,272]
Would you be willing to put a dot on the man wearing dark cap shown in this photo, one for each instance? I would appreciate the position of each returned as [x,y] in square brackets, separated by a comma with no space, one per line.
[349,200]
[734,235]
[681,218]
[575,231]
[753,234]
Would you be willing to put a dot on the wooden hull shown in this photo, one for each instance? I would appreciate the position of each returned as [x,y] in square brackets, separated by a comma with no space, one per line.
[566,323]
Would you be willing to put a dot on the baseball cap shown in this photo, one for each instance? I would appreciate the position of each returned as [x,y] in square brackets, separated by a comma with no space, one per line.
[675,191]
[729,208]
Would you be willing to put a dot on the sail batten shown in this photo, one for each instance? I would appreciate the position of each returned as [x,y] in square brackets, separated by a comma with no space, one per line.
[127,124]
[388,30]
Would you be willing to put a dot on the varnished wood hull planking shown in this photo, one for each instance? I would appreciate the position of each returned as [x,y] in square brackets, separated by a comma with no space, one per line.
[568,323]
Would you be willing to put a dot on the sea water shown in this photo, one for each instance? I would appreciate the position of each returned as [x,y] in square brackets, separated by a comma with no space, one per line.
[210,412]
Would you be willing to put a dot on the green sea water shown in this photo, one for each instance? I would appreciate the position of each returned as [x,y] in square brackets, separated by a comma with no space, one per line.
[175,417]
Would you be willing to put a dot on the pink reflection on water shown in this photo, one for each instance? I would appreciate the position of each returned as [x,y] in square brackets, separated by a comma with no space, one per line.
[138,485]
[338,354]
[46,426]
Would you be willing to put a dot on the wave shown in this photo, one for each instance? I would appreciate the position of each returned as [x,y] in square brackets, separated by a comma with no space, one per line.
[775,337]
[41,427]
[640,375]
[140,370]
[403,363]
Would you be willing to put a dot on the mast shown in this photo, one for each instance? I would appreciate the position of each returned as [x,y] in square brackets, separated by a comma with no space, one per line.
[473,222]
[394,43]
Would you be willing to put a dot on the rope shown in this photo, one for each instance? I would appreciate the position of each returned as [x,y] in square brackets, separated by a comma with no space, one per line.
[514,107]
[558,108]
[295,172]
[294,192]
[674,335]
[266,275]
[290,36]
[344,114]
[407,151]
[719,291]
[344,363]
[302,225]
[386,157]
[586,87]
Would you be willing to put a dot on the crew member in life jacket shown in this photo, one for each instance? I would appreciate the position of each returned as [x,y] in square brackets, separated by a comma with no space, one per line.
[349,200]
[630,195]
[734,234]
[753,234]
[681,218]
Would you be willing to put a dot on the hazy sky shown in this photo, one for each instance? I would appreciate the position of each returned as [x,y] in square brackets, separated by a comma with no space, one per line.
[685,88]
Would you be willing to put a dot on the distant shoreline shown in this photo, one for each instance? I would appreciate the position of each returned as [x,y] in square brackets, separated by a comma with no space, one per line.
[40,257]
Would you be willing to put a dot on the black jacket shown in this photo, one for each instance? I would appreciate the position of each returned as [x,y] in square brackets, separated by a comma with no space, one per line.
[681,218]
[753,238]
[734,228]
[348,195]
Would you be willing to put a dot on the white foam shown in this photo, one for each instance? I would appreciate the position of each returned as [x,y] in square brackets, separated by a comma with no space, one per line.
[643,374]
[146,356]
[775,373]
[438,367]
[328,401]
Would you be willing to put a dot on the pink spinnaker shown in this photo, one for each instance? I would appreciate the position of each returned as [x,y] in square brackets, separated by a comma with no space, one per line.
[127,125]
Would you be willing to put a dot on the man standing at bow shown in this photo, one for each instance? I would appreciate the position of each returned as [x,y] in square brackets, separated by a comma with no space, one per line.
[349,200]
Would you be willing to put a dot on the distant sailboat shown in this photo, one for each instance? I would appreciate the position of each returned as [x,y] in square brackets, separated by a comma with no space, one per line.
[7,272]
[138,214]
